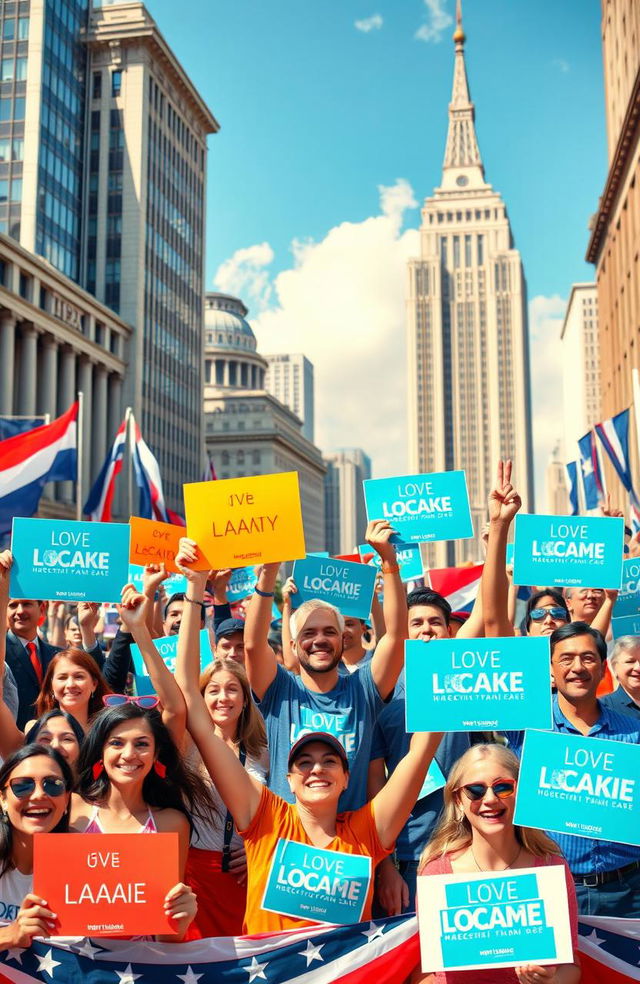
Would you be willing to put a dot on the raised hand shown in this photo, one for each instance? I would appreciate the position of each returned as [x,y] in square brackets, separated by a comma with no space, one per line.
[88,615]
[607,509]
[219,584]
[378,535]
[288,588]
[152,577]
[504,500]
[133,609]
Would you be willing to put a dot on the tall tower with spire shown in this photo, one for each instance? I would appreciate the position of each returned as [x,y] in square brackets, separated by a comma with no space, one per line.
[468,354]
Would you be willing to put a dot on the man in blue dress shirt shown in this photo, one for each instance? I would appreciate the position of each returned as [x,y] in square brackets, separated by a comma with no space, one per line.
[606,874]
[625,666]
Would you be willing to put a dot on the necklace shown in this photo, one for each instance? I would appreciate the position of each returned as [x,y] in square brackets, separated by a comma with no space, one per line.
[510,865]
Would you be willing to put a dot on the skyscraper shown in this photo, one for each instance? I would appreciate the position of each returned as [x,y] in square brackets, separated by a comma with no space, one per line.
[102,171]
[345,511]
[468,355]
[581,382]
[290,379]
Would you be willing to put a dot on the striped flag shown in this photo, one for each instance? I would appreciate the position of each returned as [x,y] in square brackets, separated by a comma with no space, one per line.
[614,437]
[592,482]
[571,470]
[459,585]
[100,498]
[148,480]
[209,473]
[28,461]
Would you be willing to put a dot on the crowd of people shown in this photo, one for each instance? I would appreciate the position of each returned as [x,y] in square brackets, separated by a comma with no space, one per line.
[299,736]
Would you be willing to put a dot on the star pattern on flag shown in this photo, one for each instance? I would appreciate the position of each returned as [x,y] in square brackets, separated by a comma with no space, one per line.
[587,467]
[189,977]
[47,964]
[312,952]
[87,949]
[594,938]
[373,933]
[15,954]
[256,969]
[127,976]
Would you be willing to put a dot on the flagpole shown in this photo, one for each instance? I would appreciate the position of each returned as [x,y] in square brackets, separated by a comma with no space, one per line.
[128,415]
[80,454]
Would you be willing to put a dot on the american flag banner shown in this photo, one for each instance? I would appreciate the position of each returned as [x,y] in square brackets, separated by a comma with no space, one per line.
[384,951]
[609,950]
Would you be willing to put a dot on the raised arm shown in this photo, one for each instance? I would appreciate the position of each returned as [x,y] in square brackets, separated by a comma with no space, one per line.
[504,503]
[377,615]
[11,738]
[134,612]
[602,620]
[153,576]
[388,659]
[291,661]
[240,793]
[260,660]
[55,624]
[395,801]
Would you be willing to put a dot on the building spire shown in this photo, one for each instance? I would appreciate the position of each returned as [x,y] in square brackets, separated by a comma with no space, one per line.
[462,144]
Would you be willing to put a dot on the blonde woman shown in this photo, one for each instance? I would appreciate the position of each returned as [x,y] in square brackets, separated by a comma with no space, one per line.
[477,833]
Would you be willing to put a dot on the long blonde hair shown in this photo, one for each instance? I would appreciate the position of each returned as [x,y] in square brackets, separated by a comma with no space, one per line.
[250,730]
[454,832]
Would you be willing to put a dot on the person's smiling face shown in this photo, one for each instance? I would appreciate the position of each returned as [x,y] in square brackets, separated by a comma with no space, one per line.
[129,752]
[317,775]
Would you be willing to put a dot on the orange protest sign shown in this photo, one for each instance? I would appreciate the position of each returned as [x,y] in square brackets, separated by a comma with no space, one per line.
[106,884]
[154,543]
[240,521]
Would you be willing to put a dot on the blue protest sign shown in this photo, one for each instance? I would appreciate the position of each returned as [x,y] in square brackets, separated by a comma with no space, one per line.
[243,581]
[628,600]
[167,646]
[422,507]
[494,919]
[471,684]
[407,555]
[434,779]
[311,883]
[174,584]
[576,551]
[346,585]
[68,560]
[583,786]
[627,626]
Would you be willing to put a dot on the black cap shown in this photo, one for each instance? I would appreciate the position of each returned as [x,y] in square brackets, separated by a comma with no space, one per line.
[325,738]
[228,627]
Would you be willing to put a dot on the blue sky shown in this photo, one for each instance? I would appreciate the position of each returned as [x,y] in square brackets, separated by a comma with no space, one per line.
[318,115]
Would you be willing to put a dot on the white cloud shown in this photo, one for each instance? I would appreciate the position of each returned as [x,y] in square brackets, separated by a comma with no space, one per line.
[438,19]
[245,275]
[546,315]
[373,23]
[562,65]
[342,303]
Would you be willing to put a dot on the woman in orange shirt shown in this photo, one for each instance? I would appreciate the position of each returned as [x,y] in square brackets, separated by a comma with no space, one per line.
[317,774]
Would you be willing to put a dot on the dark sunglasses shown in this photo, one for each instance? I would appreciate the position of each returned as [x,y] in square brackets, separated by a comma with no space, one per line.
[117,700]
[25,785]
[538,614]
[502,788]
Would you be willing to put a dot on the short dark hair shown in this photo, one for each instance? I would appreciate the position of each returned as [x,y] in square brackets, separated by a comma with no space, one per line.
[574,629]
[534,601]
[425,596]
[180,596]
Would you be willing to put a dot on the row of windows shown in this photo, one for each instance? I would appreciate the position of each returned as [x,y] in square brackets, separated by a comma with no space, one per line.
[13,69]
[10,192]
[175,122]
[15,30]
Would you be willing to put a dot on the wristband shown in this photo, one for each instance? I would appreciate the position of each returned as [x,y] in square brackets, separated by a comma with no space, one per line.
[192,601]
[264,594]
[389,568]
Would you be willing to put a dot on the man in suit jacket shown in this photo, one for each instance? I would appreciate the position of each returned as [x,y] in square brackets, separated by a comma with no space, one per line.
[28,656]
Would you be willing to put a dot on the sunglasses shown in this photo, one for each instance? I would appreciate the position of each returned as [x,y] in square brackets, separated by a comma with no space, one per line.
[538,614]
[502,788]
[25,785]
[117,700]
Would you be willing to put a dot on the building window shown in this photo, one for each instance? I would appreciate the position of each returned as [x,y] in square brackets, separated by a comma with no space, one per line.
[96,91]
[116,83]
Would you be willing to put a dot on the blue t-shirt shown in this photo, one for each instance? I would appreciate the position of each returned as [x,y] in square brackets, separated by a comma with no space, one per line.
[620,701]
[587,855]
[349,712]
[391,743]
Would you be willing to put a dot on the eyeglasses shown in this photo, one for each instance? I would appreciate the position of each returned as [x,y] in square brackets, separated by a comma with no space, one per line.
[538,614]
[502,788]
[25,785]
[117,700]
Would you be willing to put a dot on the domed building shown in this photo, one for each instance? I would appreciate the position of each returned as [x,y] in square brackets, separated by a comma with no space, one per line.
[247,430]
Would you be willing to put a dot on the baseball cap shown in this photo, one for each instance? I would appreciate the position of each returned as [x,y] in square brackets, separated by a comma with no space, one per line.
[228,627]
[325,738]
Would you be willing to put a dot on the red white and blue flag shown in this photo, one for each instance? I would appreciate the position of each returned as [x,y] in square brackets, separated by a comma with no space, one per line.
[148,480]
[384,951]
[459,585]
[614,437]
[100,499]
[209,473]
[28,461]
[592,481]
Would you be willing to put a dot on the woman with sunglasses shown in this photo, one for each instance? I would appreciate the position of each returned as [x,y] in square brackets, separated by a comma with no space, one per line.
[476,833]
[35,786]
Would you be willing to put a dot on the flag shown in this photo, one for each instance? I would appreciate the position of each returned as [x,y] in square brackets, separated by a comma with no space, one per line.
[459,585]
[608,949]
[614,437]
[10,426]
[386,950]
[98,504]
[209,473]
[28,461]
[572,480]
[147,472]
[591,476]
